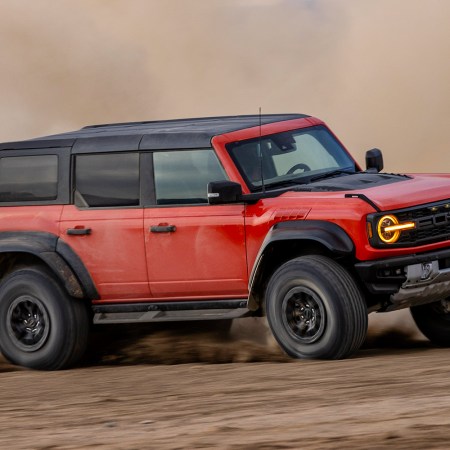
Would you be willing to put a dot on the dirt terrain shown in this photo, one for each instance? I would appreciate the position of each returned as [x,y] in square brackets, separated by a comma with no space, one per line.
[194,388]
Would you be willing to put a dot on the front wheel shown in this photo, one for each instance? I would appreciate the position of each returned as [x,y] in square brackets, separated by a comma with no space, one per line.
[315,309]
[41,327]
[433,320]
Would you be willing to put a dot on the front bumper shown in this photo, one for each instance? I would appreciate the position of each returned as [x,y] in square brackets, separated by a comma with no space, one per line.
[408,280]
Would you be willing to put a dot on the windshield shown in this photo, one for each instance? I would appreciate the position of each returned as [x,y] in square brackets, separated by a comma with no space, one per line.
[289,158]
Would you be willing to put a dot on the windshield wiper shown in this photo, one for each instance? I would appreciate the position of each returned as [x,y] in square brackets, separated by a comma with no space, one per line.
[330,175]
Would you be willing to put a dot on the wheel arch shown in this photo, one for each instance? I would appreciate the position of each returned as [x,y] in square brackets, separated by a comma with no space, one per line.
[288,240]
[23,248]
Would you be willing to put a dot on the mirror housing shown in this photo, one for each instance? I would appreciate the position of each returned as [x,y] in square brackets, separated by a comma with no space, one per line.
[374,160]
[221,192]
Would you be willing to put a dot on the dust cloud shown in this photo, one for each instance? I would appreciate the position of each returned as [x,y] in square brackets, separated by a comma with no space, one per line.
[376,72]
[214,342]
[249,340]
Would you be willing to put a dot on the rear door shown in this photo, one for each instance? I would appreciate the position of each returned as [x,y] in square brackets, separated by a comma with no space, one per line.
[194,250]
[105,225]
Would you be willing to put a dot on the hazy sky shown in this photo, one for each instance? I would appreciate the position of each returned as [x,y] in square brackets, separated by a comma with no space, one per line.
[377,71]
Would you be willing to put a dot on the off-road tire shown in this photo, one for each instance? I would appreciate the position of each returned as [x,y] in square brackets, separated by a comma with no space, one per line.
[41,327]
[333,321]
[433,320]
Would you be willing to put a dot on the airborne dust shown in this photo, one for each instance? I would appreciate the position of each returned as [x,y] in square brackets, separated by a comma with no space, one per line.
[376,72]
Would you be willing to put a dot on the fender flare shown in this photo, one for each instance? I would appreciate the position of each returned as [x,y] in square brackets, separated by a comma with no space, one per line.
[328,234]
[56,254]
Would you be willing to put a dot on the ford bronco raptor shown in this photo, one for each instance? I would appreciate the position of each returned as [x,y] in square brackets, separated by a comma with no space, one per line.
[214,218]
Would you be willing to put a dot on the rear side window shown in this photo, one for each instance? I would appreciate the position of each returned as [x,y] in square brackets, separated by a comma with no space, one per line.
[107,179]
[28,178]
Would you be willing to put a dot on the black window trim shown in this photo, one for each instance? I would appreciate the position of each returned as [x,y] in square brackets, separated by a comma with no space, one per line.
[148,190]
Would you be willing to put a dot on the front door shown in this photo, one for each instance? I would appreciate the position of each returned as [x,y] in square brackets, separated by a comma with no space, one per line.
[194,250]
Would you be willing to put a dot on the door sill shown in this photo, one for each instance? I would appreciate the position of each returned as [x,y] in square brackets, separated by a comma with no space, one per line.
[170,311]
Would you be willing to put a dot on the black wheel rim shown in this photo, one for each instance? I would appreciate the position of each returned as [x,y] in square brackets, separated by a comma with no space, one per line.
[28,323]
[303,315]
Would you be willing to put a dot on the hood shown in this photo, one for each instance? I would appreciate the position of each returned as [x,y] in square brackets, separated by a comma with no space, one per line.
[418,189]
[388,191]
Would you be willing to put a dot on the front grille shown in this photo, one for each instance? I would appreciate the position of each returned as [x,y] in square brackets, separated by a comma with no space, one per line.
[432,225]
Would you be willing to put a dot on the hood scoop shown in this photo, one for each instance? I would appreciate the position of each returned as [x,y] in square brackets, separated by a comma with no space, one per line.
[357,181]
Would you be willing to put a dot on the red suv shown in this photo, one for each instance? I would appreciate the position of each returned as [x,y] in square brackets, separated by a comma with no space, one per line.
[214,218]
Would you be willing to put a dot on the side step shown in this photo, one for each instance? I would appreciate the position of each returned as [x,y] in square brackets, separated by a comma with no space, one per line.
[170,311]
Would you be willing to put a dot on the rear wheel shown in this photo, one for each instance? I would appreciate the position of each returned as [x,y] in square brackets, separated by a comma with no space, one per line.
[315,309]
[433,320]
[41,327]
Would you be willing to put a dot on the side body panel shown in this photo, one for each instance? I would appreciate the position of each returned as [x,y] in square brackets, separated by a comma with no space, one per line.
[113,252]
[203,257]
[38,218]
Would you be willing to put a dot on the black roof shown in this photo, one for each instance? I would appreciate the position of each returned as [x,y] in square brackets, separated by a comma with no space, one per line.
[162,134]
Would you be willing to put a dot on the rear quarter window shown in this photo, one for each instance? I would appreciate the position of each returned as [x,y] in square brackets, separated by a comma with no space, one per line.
[28,178]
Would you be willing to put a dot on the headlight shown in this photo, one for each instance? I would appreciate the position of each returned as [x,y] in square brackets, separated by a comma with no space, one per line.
[389,228]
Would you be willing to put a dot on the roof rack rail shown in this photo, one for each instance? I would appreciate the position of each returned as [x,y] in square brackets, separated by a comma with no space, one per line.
[188,119]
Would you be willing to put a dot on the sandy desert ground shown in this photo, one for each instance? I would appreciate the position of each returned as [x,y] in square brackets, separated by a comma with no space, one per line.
[190,388]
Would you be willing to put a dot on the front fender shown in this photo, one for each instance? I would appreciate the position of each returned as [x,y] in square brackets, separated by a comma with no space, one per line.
[327,234]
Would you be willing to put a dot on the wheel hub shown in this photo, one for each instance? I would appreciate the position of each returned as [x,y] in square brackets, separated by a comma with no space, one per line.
[304,314]
[28,323]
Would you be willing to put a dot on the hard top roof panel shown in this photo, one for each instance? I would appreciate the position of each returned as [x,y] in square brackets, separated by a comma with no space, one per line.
[161,134]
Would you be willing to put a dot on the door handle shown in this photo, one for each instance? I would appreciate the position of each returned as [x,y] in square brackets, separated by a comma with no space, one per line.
[163,228]
[79,231]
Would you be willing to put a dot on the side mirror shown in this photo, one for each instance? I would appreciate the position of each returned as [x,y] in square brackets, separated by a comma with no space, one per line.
[374,160]
[220,192]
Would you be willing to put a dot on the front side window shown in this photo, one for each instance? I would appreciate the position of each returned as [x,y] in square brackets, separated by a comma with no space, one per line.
[107,179]
[293,156]
[182,177]
[28,178]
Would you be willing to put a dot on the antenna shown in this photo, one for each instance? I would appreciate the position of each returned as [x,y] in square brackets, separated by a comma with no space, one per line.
[260,154]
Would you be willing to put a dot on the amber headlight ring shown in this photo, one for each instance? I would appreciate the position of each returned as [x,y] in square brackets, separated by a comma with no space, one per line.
[389,228]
